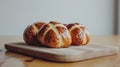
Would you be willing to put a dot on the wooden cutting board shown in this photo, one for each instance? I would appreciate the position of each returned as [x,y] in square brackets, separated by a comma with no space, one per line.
[71,54]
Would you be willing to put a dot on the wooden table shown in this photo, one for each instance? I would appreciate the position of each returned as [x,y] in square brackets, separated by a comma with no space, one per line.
[10,59]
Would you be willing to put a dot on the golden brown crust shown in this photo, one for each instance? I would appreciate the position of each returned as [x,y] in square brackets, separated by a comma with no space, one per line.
[51,39]
[65,36]
[54,22]
[41,33]
[70,25]
[79,34]
[54,35]
[43,30]
[30,33]
[76,40]
[39,24]
[88,38]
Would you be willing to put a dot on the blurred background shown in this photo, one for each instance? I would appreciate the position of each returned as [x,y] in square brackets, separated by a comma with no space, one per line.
[100,16]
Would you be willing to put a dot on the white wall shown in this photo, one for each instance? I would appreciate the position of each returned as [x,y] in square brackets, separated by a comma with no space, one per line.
[97,15]
[119,17]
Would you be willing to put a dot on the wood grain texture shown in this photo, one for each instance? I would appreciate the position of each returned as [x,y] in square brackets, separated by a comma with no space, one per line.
[71,54]
[11,59]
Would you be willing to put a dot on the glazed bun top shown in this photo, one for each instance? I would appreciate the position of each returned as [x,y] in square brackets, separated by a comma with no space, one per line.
[79,34]
[30,33]
[54,35]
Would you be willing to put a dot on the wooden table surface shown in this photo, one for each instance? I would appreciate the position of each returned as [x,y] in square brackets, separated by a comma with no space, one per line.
[10,59]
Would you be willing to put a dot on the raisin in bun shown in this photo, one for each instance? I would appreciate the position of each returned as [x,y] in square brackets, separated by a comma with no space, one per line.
[79,34]
[54,35]
[30,33]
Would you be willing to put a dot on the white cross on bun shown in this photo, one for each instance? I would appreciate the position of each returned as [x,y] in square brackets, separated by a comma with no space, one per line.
[30,33]
[79,34]
[54,35]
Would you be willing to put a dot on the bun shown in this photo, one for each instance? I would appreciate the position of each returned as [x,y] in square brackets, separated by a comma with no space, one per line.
[79,34]
[30,33]
[54,35]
